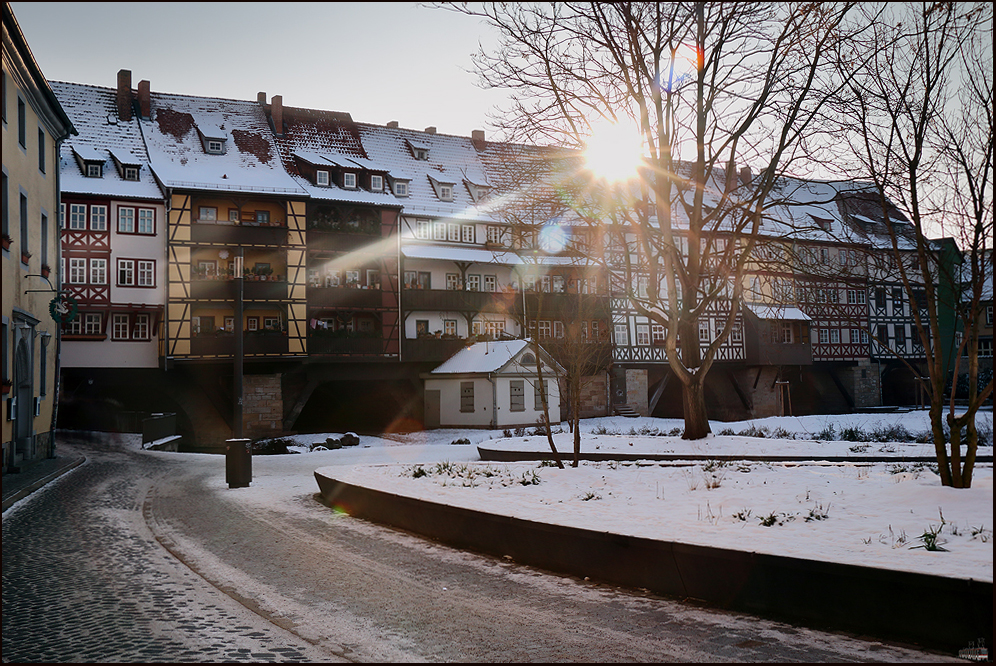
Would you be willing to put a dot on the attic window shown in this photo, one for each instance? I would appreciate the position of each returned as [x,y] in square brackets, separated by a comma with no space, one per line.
[322,178]
[421,154]
[377,183]
[401,188]
[131,173]
[94,170]
[349,180]
[215,147]
[446,192]
[821,222]
[528,359]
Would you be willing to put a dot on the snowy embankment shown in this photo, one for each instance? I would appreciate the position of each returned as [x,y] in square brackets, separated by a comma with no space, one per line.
[890,515]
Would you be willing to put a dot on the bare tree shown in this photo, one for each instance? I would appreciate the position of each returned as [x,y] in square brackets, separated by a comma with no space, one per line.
[920,114]
[751,94]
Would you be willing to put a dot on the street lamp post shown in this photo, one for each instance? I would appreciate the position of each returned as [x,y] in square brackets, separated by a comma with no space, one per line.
[239,346]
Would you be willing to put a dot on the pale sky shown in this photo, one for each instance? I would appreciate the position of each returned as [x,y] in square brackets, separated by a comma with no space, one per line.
[377,61]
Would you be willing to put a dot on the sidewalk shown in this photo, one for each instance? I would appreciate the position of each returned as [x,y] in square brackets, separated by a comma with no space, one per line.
[32,477]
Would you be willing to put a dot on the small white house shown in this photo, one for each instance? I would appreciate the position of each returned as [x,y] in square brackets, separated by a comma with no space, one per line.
[492,385]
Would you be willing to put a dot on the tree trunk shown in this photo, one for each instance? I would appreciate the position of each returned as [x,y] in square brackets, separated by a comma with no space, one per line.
[696,415]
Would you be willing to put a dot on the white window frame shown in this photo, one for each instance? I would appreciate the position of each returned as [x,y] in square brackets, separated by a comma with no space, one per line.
[119,327]
[77,270]
[439,231]
[545,329]
[146,222]
[207,213]
[322,178]
[558,329]
[98,217]
[473,283]
[400,188]
[835,336]
[215,147]
[453,282]
[349,180]
[453,232]
[824,336]
[705,332]
[450,327]
[77,217]
[621,334]
[423,229]
[92,323]
[126,268]
[377,183]
[495,234]
[142,328]
[98,271]
[467,233]
[131,173]
[145,273]
[643,334]
[94,171]
[126,220]
[491,283]
[446,192]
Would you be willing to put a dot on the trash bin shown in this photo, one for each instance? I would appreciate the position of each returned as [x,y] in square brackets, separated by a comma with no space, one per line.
[238,462]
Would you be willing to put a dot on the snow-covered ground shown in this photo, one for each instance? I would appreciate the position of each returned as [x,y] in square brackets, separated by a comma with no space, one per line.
[873,514]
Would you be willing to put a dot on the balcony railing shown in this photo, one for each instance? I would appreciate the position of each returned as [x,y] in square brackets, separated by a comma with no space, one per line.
[237,234]
[346,297]
[253,344]
[461,301]
[430,349]
[333,241]
[224,290]
[346,346]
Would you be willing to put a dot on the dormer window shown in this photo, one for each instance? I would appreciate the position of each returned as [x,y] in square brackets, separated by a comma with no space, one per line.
[377,183]
[215,147]
[421,154]
[400,188]
[94,170]
[322,178]
[446,193]
[131,173]
[349,180]
[420,151]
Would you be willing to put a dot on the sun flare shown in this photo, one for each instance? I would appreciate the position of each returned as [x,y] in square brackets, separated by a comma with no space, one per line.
[614,151]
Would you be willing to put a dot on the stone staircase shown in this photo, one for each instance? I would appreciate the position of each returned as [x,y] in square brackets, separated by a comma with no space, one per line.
[625,410]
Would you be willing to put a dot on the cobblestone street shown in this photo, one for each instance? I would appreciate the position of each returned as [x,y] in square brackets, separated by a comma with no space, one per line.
[147,557]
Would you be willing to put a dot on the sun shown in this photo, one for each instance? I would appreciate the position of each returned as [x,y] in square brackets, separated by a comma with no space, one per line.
[614,151]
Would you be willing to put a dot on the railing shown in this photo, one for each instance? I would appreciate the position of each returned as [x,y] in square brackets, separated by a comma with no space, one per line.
[237,234]
[430,349]
[334,241]
[252,290]
[158,426]
[318,344]
[253,345]
[345,297]
[461,301]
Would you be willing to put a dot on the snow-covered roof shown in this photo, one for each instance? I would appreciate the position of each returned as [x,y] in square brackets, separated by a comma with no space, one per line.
[250,162]
[451,159]
[93,111]
[459,253]
[778,312]
[482,357]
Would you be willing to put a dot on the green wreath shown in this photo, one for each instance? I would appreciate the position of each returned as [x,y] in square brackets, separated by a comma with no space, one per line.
[63,309]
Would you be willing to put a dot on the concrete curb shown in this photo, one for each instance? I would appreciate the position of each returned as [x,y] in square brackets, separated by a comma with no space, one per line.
[932,611]
[21,493]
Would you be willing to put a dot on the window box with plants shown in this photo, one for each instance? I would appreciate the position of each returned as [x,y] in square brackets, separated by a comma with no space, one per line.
[5,241]
[6,386]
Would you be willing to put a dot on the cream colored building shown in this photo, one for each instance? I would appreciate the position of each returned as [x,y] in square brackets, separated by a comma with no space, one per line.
[34,124]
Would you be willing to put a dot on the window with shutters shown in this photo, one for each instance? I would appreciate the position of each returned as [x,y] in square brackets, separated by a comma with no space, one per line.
[516,396]
[466,396]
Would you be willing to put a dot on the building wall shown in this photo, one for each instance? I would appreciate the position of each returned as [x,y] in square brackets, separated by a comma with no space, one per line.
[449,402]
[30,174]
[262,406]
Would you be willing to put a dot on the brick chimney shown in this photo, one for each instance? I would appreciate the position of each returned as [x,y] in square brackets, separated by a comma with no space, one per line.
[430,130]
[477,136]
[124,94]
[277,114]
[145,98]
[261,98]
[393,124]
[745,175]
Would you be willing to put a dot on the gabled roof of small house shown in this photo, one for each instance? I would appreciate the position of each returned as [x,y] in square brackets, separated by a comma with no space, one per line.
[489,357]
[93,111]
[250,161]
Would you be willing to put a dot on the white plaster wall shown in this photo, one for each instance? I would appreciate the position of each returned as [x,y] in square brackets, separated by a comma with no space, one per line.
[530,416]
[137,246]
[449,402]
[110,354]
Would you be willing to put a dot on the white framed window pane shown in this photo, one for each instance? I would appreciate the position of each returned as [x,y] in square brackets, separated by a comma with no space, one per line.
[642,334]
[120,327]
[377,183]
[208,213]
[622,334]
[146,221]
[473,282]
[349,180]
[98,218]
[467,233]
[77,271]
[438,231]
[322,177]
[490,283]
[126,272]
[126,220]
[453,281]
[141,329]
[452,232]
[146,273]
[77,216]
[98,271]
[449,327]
[92,324]
[401,189]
